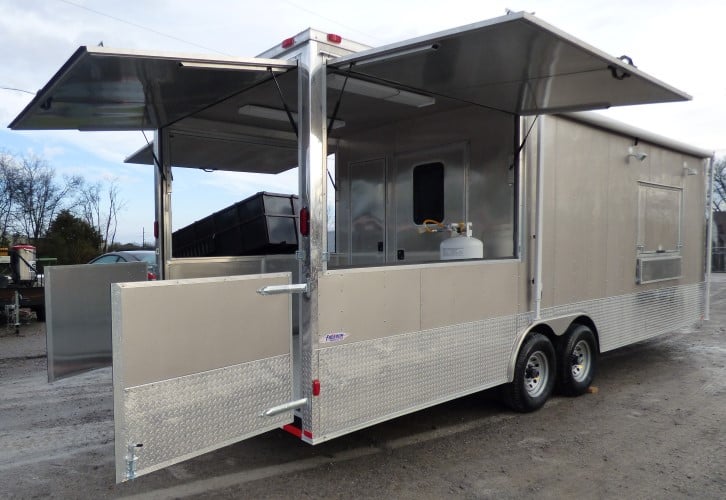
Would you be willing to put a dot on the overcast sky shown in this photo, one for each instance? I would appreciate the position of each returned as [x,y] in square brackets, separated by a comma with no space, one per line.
[678,42]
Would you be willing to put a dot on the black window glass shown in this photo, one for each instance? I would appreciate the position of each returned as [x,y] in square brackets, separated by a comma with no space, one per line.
[428,192]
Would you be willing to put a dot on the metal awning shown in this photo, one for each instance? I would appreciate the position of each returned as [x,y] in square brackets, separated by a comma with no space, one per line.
[516,63]
[106,89]
[198,143]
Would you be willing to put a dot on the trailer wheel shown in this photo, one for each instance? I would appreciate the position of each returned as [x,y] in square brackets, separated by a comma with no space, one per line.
[534,375]
[576,360]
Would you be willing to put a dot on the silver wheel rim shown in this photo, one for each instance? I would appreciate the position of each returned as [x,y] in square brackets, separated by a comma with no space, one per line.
[581,359]
[536,374]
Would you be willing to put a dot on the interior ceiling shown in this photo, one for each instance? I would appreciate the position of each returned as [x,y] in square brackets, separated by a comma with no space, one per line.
[219,137]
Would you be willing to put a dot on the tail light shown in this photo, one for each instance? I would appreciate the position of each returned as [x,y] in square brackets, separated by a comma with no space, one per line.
[150,276]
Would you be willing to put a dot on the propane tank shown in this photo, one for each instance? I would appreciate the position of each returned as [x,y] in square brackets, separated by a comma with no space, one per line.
[22,263]
[461,245]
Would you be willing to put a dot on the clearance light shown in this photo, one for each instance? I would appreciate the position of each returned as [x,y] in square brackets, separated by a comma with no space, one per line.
[333,38]
[156,229]
[305,221]
[288,42]
[316,387]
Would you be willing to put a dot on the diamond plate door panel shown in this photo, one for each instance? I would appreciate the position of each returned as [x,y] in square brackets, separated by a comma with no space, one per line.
[195,364]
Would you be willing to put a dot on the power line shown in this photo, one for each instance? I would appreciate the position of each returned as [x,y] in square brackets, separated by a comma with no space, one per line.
[351,28]
[140,26]
[17,90]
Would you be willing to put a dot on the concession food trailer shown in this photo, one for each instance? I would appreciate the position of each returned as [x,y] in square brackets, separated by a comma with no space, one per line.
[489,231]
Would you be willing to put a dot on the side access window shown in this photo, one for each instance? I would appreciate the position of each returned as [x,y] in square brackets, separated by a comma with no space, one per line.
[428,192]
[660,212]
[659,218]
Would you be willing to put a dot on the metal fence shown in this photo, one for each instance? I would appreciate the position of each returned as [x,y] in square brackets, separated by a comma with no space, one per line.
[718,259]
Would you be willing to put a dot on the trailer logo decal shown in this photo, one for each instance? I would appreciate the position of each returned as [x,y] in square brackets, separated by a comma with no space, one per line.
[332,337]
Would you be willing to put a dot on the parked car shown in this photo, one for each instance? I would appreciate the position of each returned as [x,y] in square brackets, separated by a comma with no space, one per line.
[148,256]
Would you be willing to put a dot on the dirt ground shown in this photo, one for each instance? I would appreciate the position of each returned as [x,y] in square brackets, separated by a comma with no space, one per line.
[655,429]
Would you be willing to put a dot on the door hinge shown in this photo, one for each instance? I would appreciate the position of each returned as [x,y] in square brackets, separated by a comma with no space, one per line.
[131,460]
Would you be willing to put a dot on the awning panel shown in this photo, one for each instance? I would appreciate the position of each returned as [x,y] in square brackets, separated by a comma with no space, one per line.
[107,89]
[216,153]
[516,63]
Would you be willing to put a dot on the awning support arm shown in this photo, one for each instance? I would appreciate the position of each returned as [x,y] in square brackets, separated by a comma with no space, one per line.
[156,160]
[340,99]
[284,104]
[335,115]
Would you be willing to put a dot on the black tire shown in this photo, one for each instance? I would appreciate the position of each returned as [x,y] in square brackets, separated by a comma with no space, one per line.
[576,360]
[534,375]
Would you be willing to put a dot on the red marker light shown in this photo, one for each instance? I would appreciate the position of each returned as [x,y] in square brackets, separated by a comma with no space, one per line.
[288,42]
[305,221]
[316,387]
[156,229]
[333,38]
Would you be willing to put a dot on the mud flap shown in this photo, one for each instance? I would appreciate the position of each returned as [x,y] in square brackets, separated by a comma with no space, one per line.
[196,363]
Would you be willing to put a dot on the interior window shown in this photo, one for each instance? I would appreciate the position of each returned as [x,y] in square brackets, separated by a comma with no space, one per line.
[428,192]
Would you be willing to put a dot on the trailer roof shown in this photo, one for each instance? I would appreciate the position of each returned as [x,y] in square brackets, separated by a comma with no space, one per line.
[605,123]
[515,63]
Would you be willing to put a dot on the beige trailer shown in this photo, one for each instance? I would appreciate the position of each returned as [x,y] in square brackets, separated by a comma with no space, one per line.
[487,232]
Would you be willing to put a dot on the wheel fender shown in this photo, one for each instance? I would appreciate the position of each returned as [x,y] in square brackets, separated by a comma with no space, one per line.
[557,325]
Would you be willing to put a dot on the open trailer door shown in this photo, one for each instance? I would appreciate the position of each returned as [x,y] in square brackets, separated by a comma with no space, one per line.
[198,364]
[78,314]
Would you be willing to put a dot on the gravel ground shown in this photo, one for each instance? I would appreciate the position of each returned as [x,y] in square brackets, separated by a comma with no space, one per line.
[654,429]
[30,343]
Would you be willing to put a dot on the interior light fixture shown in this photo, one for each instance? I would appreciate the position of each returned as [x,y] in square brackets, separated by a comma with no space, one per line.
[432,47]
[278,115]
[231,66]
[379,91]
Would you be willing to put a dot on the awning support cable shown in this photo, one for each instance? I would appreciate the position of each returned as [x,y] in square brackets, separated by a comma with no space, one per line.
[335,115]
[515,157]
[284,104]
[156,160]
[340,99]
[524,141]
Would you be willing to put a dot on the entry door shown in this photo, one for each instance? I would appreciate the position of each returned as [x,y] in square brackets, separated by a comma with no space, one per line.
[196,365]
[430,184]
[367,212]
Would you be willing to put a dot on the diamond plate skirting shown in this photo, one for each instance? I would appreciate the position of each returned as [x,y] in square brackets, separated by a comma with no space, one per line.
[368,382]
[626,319]
[372,381]
[187,416]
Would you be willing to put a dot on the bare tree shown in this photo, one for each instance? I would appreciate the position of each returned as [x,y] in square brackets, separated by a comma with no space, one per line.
[99,207]
[38,197]
[719,185]
[8,178]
